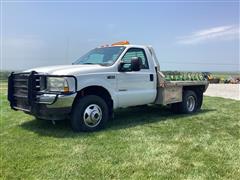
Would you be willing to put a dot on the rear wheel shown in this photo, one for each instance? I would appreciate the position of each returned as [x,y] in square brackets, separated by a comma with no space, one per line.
[90,113]
[188,105]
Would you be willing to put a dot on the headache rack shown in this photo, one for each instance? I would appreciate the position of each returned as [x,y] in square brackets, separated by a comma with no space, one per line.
[25,88]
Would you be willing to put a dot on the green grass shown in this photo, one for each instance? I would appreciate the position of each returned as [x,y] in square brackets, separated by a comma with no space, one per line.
[140,143]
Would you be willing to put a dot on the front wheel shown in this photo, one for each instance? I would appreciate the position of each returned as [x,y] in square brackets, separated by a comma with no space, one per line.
[90,113]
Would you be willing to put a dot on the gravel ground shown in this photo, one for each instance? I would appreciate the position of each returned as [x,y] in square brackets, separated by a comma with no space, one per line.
[230,91]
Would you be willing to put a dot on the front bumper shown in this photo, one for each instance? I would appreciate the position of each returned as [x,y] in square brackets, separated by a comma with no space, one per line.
[53,107]
[25,94]
[56,101]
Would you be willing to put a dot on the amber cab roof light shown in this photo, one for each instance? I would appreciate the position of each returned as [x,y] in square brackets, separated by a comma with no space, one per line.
[116,44]
[120,43]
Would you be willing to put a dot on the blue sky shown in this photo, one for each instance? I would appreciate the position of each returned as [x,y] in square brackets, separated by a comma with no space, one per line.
[190,36]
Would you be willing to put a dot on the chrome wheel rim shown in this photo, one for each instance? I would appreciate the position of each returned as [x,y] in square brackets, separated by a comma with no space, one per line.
[191,103]
[92,115]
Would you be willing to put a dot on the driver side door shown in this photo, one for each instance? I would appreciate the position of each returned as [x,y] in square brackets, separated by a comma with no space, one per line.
[136,87]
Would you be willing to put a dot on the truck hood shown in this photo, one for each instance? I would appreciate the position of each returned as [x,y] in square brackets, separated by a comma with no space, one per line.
[70,69]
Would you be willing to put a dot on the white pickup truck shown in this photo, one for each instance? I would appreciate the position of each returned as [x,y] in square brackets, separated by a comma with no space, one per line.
[104,79]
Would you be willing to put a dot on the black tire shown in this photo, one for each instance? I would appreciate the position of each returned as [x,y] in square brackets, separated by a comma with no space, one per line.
[184,107]
[80,119]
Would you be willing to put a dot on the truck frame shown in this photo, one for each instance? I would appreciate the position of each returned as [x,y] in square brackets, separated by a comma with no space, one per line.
[88,93]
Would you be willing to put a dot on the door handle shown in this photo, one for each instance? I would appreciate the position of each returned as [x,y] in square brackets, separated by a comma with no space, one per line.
[151,77]
[110,77]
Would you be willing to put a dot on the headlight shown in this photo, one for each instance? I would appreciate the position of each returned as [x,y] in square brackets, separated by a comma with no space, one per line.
[57,84]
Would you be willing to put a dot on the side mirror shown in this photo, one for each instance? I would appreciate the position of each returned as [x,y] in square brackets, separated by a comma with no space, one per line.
[136,63]
[122,68]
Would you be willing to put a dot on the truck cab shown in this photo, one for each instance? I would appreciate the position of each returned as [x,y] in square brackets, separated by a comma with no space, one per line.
[106,78]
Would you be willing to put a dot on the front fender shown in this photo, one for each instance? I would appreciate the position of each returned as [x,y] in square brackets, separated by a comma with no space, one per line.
[99,80]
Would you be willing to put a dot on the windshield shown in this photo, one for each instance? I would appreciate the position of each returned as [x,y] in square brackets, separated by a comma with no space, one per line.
[103,56]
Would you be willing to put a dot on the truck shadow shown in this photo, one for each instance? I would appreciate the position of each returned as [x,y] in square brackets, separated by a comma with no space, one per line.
[124,118]
[135,116]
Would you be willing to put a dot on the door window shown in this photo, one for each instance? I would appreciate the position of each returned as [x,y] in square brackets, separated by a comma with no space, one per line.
[136,52]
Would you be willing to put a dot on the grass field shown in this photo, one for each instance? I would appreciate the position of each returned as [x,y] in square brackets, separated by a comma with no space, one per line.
[140,143]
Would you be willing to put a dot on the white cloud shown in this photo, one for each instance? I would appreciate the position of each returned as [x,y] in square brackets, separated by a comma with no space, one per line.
[215,33]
